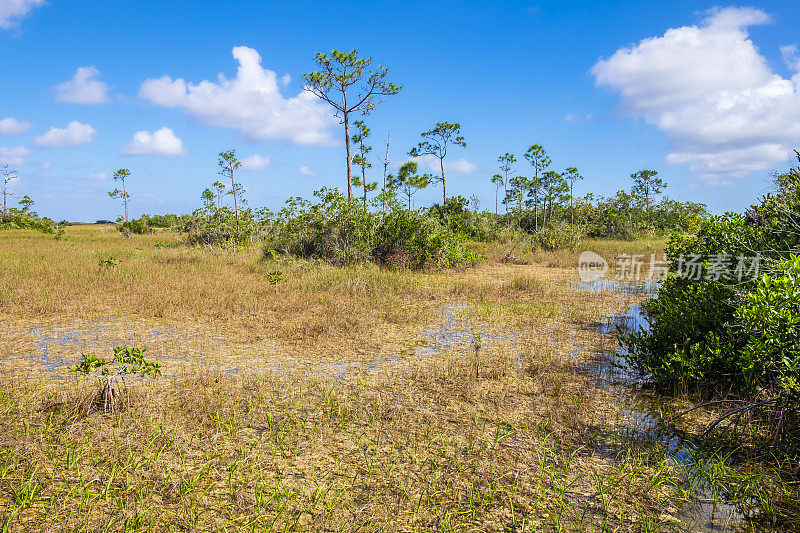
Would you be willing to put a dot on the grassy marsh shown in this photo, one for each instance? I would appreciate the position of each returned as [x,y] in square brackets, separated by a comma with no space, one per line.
[325,401]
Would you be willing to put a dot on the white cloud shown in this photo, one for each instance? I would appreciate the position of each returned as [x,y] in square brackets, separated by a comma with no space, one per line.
[14,156]
[461,166]
[304,170]
[47,165]
[83,88]
[712,93]
[12,11]
[161,142]
[791,56]
[12,126]
[75,134]
[96,176]
[430,163]
[255,162]
[251,102]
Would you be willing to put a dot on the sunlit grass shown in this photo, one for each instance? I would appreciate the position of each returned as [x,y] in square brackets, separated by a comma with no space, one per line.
[258,425]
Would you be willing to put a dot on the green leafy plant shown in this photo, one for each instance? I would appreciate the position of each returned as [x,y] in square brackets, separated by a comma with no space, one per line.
[110,373]
[137,226]
[275,277]
[771,316]
[108,263]
[727,335]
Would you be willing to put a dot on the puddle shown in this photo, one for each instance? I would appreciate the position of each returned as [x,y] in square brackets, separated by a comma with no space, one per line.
[649,286]
[56,348]
[708,511]
[52,349]
[453,332]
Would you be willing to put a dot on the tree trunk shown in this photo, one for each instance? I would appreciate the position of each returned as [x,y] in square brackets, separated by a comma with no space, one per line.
[125,199]
[444,187]
[364,182]
[235,204]
[571,205]
[385,170]
[349,155]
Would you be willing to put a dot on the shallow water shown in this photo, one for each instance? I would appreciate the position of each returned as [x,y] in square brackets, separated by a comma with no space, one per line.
[56,348]
[640,411]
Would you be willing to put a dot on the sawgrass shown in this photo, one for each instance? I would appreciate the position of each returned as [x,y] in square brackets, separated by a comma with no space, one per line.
[338,399]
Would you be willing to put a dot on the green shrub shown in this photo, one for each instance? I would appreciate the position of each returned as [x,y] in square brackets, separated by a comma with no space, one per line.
[341,231]
[771,322]
[23,219]
[334,229]
[690,342]
[727,326]
[137,226]
[561,236]
[409,240]
[217,226]
[162,221]
[455,217]
[110,373]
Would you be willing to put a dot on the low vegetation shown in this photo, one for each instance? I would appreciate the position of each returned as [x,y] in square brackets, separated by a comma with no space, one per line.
[330,397]
[725,322]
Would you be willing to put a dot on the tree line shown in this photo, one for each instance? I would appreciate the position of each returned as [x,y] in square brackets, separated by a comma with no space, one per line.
[534,197]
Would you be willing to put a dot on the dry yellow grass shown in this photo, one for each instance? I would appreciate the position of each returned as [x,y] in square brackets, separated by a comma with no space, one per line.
[339,399]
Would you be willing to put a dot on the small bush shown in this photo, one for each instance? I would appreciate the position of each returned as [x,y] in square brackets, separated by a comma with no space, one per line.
[454,216]
[110,373]
[558,237]
[136,226]
[409,240]
[341,231]
[217,226]
[771,320]
[22,219]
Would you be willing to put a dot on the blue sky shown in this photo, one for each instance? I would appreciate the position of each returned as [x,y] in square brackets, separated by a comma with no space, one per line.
[707,94]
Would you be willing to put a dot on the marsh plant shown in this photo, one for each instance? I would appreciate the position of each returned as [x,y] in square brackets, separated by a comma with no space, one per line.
[477,344]
[275,277]
[110,374]
[108,263]
[734,343]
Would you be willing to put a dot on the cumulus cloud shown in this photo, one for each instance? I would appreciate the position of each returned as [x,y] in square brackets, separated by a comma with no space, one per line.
[430,163]
[712,93]
[255,162]
[791,56]
[12,126]
[12,11]
[75,134]
[305,171]
[461,166]
[161,142]
[14,156]
[96,176]
[251,102]
[83,88]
